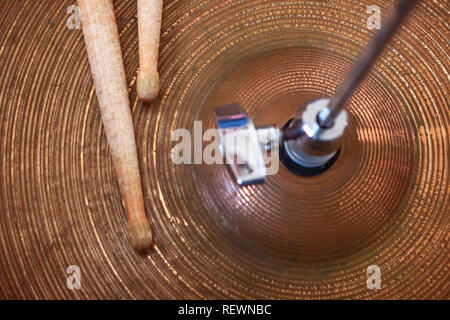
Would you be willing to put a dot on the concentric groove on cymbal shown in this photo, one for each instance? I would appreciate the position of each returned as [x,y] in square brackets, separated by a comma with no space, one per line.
[384,202]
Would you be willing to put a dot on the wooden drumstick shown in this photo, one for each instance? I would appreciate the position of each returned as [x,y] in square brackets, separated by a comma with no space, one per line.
[105,56]
[149,25]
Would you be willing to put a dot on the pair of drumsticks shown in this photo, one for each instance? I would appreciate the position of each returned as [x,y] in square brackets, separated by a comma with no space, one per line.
[105,56]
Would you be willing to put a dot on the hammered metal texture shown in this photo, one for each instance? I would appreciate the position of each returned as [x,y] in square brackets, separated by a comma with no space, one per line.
[384,202]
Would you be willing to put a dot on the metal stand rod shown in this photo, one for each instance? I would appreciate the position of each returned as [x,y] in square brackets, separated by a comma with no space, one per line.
[365,62]
[327,116]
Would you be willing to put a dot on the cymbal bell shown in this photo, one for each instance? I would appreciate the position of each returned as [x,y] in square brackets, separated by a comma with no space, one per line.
[384,201]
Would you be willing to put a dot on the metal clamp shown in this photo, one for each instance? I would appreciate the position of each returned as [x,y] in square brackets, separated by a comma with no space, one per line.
[242,145]
[308,145]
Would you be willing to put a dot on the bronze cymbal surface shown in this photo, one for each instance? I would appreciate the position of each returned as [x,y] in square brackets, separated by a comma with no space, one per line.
[384,202]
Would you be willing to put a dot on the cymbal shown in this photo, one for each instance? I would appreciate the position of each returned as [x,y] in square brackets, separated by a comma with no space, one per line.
[384,202]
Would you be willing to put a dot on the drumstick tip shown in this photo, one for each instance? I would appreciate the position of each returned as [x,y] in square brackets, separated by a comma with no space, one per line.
[141,235]
[147,86]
